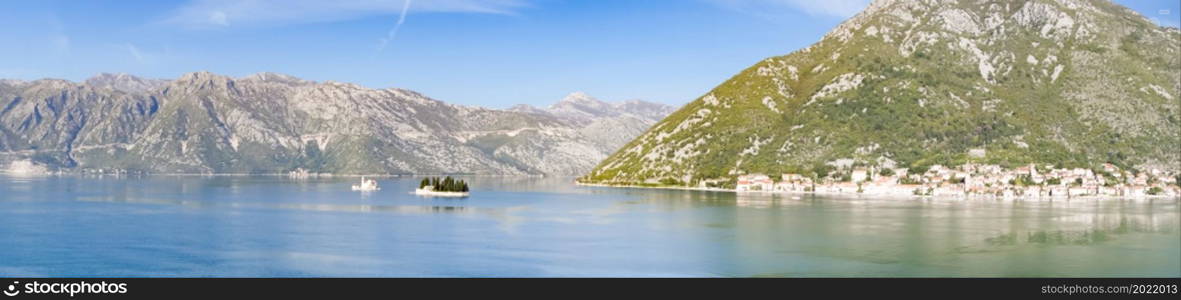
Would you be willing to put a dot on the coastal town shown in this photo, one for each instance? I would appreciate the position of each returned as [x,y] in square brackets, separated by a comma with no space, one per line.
[976,180]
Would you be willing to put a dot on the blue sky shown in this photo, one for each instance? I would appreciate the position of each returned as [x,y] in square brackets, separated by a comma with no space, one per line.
[492,53]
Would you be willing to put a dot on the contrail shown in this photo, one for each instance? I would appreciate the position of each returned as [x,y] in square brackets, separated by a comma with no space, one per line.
[394,31]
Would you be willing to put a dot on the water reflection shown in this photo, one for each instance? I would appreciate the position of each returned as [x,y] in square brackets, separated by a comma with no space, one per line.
[804,235]
[510,226]
[1103,229]
[296,206]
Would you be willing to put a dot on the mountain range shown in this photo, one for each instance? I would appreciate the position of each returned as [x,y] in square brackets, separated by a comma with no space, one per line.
[916,83]
[272,123]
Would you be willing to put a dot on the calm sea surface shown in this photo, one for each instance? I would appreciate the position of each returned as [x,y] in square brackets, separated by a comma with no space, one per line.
[275,226]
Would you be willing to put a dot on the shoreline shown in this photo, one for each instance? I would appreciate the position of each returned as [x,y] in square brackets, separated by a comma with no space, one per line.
[326,175]
[683,188]
[577,183]
[422,192]
[879,195]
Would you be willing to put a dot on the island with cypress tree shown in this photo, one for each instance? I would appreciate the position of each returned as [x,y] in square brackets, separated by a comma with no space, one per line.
[442,187]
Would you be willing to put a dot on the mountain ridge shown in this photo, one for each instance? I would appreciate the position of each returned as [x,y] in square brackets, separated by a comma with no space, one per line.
[202,122]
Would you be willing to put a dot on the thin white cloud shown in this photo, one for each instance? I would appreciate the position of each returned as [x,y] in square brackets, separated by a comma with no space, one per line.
[135,53]
[821,8]
[59,41]
[218,18]
[394,31]
[226,13]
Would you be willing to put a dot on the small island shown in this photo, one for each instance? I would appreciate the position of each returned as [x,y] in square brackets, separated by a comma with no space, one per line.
[366,185]
[445,187]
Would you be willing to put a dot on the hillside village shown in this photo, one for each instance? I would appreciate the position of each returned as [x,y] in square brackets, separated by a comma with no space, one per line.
[976,180]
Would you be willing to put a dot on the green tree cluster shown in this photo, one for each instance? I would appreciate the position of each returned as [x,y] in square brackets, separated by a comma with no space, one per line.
[1156,190]
[446,184]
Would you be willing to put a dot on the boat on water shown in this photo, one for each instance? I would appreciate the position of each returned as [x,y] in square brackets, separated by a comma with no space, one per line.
[299,173]
[366,185]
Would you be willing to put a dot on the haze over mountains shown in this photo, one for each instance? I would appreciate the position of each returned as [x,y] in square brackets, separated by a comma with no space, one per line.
[910,83]
[270,123]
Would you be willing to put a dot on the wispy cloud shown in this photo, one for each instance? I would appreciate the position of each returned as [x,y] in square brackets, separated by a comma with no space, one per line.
[227,13]
[394,31]
[138,55]
[59,41]
[135,53]
[820,8]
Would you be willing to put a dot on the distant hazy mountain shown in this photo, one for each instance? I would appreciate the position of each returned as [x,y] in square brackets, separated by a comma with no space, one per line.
[125,83]
[265,123]
[913,83]
[607,125]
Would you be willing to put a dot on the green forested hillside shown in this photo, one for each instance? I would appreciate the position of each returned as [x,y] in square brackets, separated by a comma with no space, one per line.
[917,83]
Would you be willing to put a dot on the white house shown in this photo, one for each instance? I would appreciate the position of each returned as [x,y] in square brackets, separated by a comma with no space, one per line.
[754,182]
[860,174]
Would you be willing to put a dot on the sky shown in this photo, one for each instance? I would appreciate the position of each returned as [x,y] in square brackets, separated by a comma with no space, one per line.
[491,53]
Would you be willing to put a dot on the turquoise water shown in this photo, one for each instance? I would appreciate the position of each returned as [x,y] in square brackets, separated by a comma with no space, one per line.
[231,226]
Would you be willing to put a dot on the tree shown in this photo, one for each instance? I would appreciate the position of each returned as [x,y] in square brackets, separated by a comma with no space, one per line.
[1156,190]
[313,158]
[1022,180]
[821,170]
[445,184]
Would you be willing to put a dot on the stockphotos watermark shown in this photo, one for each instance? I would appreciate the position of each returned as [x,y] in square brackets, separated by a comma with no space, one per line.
[1129,289]
[68,288]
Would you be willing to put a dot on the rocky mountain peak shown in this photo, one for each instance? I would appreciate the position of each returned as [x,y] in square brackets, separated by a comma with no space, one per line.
[203,77]
[12,81]
[51,84]
[124,82]
[649,110]
[344,85]
[581,104]
[526,108]
[275,78]
[100,77]
[580,99]
[202,80]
